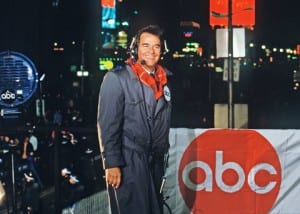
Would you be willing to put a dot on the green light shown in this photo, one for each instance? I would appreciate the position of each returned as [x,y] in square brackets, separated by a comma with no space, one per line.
[219,69]
[73,68]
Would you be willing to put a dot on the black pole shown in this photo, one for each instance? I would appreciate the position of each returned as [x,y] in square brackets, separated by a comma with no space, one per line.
[230,67]
[14,204]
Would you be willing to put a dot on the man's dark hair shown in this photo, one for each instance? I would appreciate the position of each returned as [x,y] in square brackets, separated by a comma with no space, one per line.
[152,29]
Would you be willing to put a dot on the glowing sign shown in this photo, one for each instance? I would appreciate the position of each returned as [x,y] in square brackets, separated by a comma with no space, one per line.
[108,63]
[107,3]
[108,41]
[243,13]
[188,34]
[18,79]
[108,18]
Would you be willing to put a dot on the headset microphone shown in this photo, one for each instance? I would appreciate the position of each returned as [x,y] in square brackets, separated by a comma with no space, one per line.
[143,62]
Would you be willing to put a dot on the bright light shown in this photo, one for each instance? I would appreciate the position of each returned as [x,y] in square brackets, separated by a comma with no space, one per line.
[58,49]
[79,73]
[219,69]
[122,33]
[111,21]
[125,23]
[211,65]
[82,73]
[289,51]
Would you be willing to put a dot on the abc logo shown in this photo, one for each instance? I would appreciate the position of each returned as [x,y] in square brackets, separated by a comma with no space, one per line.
[229,171]
[8,95]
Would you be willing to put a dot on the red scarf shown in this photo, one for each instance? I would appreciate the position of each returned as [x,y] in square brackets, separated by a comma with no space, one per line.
[156,83]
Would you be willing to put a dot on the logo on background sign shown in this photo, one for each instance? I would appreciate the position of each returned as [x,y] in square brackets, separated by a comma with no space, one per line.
[230,171]
[8,96]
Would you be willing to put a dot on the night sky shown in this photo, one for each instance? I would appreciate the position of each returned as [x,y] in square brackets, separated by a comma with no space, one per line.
[31,27]
[277,21]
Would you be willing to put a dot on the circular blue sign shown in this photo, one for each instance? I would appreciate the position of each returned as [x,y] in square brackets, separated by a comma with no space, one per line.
[18,79]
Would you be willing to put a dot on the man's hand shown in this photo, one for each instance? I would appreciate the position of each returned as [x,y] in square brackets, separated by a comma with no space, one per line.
[113,176]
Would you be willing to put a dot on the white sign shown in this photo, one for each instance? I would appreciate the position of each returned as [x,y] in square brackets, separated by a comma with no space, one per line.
[236,70]
[238,42]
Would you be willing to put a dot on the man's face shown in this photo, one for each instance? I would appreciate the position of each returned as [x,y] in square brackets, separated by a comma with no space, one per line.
[149,50]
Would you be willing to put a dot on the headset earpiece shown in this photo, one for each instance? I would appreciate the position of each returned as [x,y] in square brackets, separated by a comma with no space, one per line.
[165,49]
[133,47]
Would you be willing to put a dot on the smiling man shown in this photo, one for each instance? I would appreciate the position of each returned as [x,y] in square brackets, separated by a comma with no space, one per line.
[133,123]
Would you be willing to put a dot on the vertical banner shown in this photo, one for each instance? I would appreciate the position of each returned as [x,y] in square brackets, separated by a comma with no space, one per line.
[243,13]
[108,20]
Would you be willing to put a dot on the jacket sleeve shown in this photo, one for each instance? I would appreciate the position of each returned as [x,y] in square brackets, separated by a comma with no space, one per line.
[109,120]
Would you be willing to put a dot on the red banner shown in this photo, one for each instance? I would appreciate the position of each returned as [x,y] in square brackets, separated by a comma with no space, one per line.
[107,3]
[243,13]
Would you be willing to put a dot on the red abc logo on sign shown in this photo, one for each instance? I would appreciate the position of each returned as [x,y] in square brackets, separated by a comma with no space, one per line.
[230,171]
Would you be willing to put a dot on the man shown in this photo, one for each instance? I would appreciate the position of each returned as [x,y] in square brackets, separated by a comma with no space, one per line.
[32,183]
[33,140]
[133,126]
[27,157]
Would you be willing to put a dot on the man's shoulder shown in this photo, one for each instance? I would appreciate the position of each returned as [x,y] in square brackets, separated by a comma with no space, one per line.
[118,69]
[121,71]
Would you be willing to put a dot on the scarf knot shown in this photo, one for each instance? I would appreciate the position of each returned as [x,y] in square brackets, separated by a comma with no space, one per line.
[155,82]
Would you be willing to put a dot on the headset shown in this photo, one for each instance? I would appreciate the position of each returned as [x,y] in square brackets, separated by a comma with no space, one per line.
[153,29]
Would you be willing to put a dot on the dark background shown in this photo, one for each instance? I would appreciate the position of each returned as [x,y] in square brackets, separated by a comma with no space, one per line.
[31,27]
